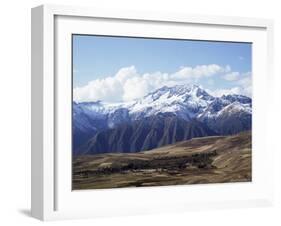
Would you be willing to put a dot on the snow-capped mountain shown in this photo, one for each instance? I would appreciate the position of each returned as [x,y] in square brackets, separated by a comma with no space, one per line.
[185,101]
[223,115]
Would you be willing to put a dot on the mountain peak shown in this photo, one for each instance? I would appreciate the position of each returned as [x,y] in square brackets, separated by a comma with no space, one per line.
[186,102]
[237,98]
[90,103]
[177,90]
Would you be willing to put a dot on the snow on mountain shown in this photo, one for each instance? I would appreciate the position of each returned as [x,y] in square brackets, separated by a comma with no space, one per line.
[238,98]
[226,105]
[187,102]
[234,108]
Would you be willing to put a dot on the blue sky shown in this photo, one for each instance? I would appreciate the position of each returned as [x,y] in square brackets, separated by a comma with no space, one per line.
[101,57]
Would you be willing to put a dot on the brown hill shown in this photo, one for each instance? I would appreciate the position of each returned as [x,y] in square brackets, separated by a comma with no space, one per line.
[214,159]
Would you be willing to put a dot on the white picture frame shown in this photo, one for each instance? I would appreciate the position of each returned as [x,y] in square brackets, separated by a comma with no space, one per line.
[52,198]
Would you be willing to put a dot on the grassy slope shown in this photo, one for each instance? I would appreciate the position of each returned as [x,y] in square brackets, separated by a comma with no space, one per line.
[200,160]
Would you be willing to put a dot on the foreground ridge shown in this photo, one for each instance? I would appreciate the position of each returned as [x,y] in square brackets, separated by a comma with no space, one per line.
[214,159]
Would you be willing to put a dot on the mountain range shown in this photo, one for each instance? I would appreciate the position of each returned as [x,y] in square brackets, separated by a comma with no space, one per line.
[164,116]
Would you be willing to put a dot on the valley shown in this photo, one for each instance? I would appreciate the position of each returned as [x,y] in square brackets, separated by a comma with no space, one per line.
[208,159]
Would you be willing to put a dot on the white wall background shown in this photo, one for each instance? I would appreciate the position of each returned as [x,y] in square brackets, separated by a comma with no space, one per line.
[15,111]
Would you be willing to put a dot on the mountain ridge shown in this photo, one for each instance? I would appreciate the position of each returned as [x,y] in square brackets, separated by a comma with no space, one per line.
[145,134]
[228,114]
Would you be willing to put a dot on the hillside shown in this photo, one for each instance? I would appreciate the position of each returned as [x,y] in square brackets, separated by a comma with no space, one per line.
[186,104]
[145,134]
[214,159]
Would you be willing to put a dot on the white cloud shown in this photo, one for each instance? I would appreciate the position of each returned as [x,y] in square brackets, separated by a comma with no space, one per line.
[220,92]
[246,84]
[233,76]
[189,73]
[99,90]
[210,82]
[127,84]
[242,86]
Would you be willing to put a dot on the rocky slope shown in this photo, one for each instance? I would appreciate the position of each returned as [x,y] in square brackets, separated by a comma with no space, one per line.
[165,116]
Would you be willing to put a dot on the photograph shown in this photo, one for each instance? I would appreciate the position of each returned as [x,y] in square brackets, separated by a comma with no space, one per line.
[160,111]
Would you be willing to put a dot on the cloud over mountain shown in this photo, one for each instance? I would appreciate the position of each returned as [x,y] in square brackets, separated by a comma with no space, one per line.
[127,84]
[162,117]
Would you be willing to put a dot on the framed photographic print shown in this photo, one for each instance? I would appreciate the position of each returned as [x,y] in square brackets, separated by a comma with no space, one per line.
[137,112]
